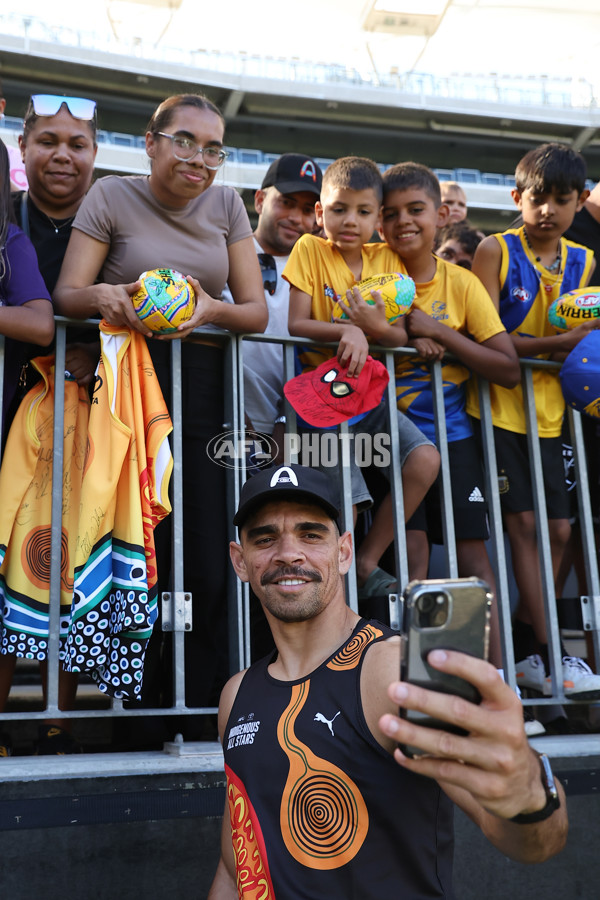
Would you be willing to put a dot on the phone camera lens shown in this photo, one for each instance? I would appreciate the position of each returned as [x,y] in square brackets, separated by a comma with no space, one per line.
[432,609]
[426,603]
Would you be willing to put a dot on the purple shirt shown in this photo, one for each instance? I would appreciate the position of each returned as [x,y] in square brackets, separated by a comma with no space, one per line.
[20,283]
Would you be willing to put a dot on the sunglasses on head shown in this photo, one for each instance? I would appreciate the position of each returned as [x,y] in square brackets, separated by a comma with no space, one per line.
[268,269]
[50,104]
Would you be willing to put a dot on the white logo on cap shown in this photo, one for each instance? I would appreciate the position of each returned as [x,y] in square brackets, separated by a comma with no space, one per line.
[284,475]
[308,170]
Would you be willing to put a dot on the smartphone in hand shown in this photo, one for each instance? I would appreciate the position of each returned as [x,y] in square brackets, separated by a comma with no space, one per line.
[442,614]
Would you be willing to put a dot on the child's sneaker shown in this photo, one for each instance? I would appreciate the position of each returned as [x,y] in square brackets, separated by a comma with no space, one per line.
[5,744]
[55,741]
[533,727]
[531,674]
[578,679]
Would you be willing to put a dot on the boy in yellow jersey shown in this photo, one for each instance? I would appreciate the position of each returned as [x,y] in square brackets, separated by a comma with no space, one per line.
[451,312]
[524,270]
[321,272]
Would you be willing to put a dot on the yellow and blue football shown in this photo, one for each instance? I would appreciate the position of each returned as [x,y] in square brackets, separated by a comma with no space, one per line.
[164,300]
[575,308]
[397,291]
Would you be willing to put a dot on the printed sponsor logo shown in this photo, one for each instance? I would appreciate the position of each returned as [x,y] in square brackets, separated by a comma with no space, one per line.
[243,733]
[328,449]
[521,293]
[229,448]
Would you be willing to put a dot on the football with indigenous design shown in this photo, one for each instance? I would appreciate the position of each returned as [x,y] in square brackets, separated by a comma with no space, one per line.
[397,291]
[575,308]
[164,300]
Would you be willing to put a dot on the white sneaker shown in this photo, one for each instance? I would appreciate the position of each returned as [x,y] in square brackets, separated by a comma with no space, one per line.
[533,728]
[578,679]
[531,673]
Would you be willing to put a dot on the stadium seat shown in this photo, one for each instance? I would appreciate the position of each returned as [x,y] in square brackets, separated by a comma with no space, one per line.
[122,140]
[12,123]
[492,178]
[445,174]
[323,162]
[468,176]
[249,157]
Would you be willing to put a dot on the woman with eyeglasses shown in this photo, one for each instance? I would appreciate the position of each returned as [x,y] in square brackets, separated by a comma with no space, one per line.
[178,217]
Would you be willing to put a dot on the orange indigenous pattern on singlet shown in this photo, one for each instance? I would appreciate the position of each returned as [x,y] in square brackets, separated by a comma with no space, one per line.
[351,653]
[324,819]
[251,864]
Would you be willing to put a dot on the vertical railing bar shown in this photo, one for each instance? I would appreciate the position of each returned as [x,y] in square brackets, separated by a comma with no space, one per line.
[400,552]
[344,451]
[56,524]
[177,565]
[497,532]
[588,538]
[239,599]
[439,412]
[291,452]
[542,531]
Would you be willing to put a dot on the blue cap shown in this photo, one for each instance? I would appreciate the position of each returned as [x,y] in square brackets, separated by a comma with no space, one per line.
[580,376]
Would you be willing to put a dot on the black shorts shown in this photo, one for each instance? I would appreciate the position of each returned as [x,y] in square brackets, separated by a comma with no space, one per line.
[591,443]
[468,498]
[514,474]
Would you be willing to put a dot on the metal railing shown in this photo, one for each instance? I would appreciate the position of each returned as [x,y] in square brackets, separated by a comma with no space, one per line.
[239,603]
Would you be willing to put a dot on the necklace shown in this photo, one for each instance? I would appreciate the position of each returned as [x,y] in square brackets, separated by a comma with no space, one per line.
[553,267]
[56,227]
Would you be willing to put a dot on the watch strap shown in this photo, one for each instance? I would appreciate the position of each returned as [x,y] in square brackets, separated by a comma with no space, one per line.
[552,798]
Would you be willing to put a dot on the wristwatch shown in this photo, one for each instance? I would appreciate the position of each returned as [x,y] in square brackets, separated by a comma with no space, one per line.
[552,798]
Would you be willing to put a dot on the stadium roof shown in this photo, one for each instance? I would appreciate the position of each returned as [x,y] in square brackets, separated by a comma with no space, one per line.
[533,37]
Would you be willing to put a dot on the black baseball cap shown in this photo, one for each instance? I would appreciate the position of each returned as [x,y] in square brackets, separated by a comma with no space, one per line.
[290,482]
[294,172]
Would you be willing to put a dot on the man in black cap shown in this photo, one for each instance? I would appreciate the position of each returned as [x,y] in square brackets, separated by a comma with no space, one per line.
[320,801]
[285,204]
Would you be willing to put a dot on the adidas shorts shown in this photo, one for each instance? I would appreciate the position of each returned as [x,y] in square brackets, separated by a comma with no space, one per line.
[591,442]
[514,475]
[468,498]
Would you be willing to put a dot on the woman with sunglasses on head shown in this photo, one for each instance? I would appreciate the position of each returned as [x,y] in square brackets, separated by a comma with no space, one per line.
[177,217]
[58,147]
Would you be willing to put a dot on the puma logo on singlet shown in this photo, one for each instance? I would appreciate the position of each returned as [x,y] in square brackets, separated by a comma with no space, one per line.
[329,722]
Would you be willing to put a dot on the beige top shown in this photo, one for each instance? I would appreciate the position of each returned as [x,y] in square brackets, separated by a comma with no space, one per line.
[144,234]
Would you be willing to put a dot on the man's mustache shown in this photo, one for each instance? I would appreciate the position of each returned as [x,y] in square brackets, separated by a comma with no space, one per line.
[289,572]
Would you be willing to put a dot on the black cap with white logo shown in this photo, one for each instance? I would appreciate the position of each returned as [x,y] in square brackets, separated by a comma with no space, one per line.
[293,173]
[287,483]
